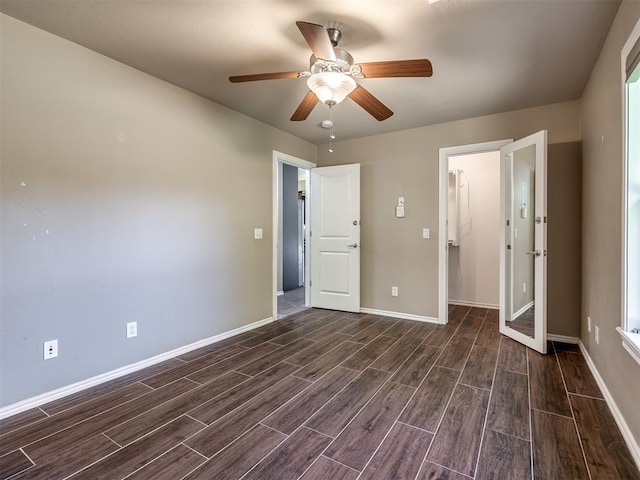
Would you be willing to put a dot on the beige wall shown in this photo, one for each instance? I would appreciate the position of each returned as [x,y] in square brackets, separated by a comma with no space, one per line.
[123,198]
[405,164]
[474,265]
[602,219]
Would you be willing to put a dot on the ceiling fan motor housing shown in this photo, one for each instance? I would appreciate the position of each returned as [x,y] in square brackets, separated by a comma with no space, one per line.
[344,62]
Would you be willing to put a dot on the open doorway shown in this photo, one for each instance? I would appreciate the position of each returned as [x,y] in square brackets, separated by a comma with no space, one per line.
[291,238]
[474,230]
[469,250]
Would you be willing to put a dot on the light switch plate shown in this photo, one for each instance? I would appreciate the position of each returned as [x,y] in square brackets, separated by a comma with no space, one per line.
[426,233]
[257,233]
[401,201]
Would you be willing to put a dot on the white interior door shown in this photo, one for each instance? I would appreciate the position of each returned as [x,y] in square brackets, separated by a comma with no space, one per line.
[523,272]
[335,237]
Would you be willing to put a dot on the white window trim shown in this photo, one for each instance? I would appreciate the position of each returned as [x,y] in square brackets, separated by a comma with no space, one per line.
[630,341]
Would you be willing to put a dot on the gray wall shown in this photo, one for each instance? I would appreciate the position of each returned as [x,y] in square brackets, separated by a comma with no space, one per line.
[289,227]
[602,151]
[564,240]
[123,198]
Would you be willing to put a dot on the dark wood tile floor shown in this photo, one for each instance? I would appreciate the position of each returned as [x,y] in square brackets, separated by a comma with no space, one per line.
[331,395]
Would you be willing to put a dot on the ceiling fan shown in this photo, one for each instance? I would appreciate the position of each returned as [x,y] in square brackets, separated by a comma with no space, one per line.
[332,73]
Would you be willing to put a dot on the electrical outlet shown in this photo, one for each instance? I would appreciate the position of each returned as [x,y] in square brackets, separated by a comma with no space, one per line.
[132,329]
[394,291]
[597,335]
[50,349]
[588,323]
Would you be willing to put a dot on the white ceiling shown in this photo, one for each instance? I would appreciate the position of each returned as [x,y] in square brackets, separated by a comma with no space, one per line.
[488,56]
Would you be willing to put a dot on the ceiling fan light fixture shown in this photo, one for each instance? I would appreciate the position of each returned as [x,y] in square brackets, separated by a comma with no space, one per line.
[331,87]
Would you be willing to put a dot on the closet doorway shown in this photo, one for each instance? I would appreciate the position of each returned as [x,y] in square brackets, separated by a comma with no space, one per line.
[474,230]
[470,215]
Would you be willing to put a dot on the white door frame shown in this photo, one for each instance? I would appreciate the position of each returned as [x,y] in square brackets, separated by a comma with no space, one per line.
[443,213]
[279,157]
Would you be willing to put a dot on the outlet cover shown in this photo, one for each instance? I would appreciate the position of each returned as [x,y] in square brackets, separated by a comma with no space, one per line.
[588,323]
[597,335]
[50,349]
[132,329]
[394,291]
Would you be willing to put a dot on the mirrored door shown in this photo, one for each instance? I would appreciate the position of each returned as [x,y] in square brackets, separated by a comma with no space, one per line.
[524,242]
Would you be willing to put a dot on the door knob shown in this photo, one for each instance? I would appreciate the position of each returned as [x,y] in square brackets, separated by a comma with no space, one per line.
[535,253]
[353,245]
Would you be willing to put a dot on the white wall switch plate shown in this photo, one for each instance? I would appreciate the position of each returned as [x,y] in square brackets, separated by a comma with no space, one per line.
[394,291]
[257,233]
[401,201]
[597,335]
[50,349]
[588,323]
[426,233]
[400,212]
[132,329]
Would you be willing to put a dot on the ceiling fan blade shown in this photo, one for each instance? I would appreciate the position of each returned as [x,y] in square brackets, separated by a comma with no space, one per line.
[318,40]
[263,76]
[370,103]
[306,106]
[397,68]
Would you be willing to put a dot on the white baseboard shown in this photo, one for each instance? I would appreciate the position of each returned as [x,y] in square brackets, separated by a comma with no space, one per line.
[473,304]
[52,395]
[563,339]
[404,316]
[631,442]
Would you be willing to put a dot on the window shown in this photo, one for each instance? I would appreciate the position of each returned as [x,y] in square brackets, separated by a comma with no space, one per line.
[630,330]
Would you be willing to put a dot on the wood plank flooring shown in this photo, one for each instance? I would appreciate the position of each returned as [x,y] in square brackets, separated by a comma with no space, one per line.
[331,395]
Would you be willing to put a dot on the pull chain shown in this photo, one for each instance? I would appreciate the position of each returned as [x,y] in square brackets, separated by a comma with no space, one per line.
[331,136]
